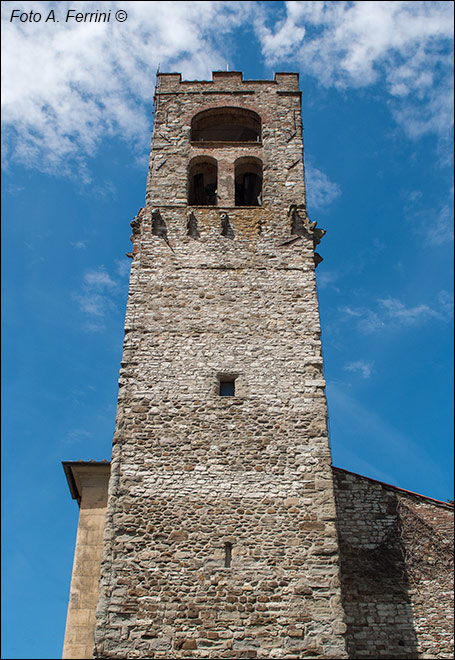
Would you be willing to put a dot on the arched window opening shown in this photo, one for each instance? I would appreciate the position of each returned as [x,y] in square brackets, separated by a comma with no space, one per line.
[226,125]
[248,182]
[202,182]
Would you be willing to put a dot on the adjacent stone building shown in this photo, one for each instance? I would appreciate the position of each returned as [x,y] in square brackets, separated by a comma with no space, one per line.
[227,532]
[396,570]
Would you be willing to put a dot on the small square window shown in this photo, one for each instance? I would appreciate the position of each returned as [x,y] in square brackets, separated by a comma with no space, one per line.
[227,387]
[226,383]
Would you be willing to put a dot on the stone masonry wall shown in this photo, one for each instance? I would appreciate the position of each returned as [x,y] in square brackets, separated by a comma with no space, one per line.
[396,568]
[193,471]
[396,552]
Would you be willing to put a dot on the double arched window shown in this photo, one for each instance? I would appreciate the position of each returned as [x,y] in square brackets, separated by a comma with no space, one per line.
[219,128]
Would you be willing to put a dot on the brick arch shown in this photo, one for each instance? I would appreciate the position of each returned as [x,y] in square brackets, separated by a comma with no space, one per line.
[226,124]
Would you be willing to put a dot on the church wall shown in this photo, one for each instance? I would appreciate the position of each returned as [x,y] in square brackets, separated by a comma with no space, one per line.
[396,562]
[396,565]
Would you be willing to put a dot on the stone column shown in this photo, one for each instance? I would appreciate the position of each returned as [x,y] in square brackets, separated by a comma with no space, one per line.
[226,187]
[88,484]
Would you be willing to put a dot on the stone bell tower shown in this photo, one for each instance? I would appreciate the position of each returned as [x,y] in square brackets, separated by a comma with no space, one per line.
[220,536]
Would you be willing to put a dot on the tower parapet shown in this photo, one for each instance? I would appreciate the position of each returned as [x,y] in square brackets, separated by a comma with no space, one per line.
[238,144]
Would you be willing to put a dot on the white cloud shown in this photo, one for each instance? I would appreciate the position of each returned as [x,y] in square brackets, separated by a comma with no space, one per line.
[326,278]
[433,224]
[281,43]
[98,279]
[68,85]
[407,45]
[363,368]
[96,298]
[320,190]
[371,322]
[354,312]
[445,300]
[123,268]
[403,315]
[392,313]
[439,229]
[92,303]
[75,436]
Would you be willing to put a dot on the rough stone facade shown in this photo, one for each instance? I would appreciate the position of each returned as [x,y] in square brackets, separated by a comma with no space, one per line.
[217,293]
[221,528]
[396,557]
[396,561]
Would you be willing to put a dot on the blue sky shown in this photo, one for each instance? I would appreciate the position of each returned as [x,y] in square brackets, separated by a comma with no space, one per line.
[377,83]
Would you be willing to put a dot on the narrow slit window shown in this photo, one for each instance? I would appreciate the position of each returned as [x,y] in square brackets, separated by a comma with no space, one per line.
[227,387]
[227,555]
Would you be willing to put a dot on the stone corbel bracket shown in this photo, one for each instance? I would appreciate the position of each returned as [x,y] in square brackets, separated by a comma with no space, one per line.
[226,229]
[301,226]
[159,227]
[191,226]
[136,227]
